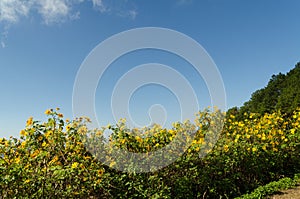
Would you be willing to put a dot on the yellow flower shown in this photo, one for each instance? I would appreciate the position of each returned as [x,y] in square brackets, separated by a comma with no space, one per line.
[44,144]
[254,149]
[226,148]
[17,160]
[35,153]
[100,172]
[26,181]
[123,141]
[68,127]
[29,122]
[48,112]
[23,132]
[82,130]
[47,134]
[264,148]
[23,143]
[60,115]
[99,133]
[113,163]
[74,165]
[54,159]
[293,131]
[67,120]
[139,139]
[40,138]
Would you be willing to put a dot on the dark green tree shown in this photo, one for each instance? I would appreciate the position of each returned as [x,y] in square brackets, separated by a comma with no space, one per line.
[282,93]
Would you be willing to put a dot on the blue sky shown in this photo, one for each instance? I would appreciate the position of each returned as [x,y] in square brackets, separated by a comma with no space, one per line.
[43,44]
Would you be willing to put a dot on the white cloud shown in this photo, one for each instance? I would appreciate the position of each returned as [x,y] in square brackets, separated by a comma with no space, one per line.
[3,44]
[98,4]
[132,14]
[12,10]
[184,2]
[53,10]
[57,11]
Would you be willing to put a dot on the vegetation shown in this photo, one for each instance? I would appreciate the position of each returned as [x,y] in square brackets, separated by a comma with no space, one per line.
[258,144]
[272,188]
[282,93]
[50,159]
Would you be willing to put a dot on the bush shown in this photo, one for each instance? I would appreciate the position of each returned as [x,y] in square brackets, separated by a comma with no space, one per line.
[60,158]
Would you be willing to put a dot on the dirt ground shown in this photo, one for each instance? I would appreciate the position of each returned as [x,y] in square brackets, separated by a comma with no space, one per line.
[288,194]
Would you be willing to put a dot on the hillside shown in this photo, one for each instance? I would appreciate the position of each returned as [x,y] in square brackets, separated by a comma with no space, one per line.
[281,93]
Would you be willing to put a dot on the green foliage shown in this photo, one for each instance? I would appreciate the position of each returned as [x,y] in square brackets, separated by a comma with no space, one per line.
[282,93]
[51,159]
[272,188]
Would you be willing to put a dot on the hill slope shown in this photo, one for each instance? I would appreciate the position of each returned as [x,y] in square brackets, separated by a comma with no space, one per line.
[281,93]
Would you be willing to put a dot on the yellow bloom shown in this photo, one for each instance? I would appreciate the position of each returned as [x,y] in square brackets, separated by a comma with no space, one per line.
[60,115]
[113,163]
[23,132]
[47,134]
[40,138]
[254,149]
[293,131]
[99,133]
[123,141]
[35,153]
[226,148]
[26,181]
[54,159]
[270,137]
[44,144]
[82,130]
[48,112]
[68,127]
[29,122]
[23,143]
[17,160]
[74,165]
[100,172]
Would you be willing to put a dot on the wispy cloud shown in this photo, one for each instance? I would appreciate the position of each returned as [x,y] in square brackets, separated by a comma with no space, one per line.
[2,44]
[53,11]
[98,4]
[184,2]
[12,10]
[57,11]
